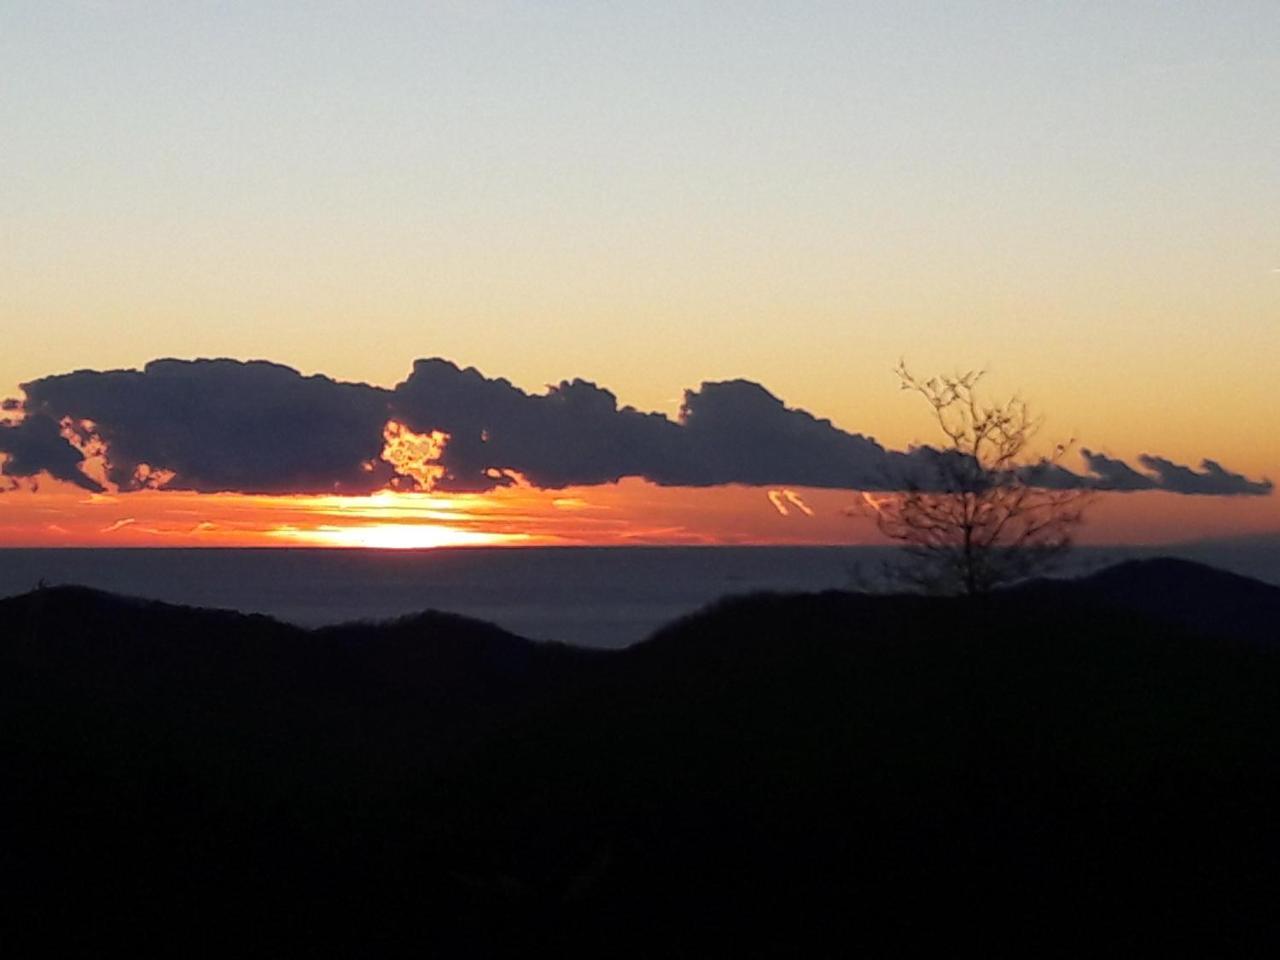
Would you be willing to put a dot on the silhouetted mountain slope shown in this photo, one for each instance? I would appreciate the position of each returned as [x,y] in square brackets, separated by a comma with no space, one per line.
[1179,592]
[1028,771]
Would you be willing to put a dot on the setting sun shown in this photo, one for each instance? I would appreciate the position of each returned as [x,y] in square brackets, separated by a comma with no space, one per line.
[392,536]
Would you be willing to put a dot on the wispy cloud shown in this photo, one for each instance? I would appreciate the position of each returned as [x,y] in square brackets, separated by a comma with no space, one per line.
[784,499]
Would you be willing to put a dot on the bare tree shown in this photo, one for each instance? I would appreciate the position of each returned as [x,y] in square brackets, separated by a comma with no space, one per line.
[976,513]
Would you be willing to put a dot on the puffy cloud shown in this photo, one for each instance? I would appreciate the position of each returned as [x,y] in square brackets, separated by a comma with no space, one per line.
[738,432]
[574,434]
[1054,476]
[1112,474]
[36,445]
[1211,479]
[258,427]
[222,425]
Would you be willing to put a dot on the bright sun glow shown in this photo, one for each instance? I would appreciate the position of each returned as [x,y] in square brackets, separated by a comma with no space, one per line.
[393,536]
[396,521]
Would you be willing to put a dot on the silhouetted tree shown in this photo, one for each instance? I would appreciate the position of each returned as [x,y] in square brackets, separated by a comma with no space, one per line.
[975,513]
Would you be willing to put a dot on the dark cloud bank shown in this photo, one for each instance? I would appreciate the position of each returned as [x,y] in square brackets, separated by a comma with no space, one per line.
[226,425]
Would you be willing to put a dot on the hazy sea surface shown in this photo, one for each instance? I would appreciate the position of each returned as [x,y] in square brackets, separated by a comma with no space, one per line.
[602,597]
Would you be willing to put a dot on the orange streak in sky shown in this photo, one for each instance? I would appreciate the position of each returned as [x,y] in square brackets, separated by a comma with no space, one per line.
[629,512]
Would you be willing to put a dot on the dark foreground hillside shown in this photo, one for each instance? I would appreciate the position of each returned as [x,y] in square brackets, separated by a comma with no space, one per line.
[1093,765]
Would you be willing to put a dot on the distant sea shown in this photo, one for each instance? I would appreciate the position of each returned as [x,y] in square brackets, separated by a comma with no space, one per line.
[599,597]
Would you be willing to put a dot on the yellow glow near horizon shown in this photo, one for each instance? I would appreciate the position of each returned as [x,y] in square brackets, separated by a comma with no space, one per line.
[390,520]
[393,536]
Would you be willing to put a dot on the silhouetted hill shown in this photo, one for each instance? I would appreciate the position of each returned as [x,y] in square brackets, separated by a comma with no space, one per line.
[1042,771]
[1180,592]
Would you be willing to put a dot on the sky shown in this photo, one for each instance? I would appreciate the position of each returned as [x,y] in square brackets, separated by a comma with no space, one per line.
[1078,197]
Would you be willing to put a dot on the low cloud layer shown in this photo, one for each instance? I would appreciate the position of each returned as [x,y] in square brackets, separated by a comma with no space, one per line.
[257,427]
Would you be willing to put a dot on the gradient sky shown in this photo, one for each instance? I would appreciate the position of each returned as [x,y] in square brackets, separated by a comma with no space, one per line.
[1081,197]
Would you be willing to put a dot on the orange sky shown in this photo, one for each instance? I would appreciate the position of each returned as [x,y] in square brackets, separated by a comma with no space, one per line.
[631,512]
[50,513]
[1078,198]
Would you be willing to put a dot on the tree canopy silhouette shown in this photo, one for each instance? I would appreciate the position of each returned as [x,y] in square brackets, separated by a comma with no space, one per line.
[977,512]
